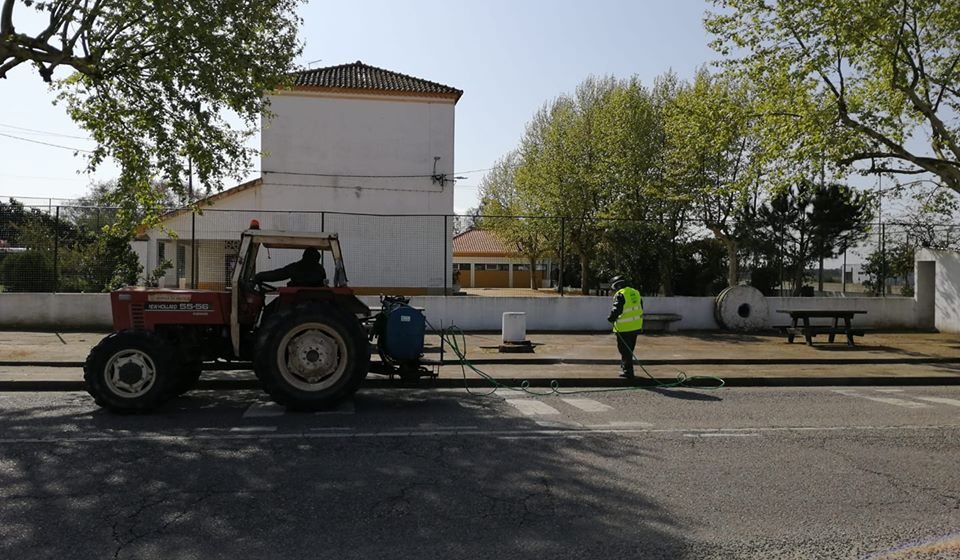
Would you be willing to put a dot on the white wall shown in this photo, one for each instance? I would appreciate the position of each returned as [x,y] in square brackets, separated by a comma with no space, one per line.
[946,297]
[346,135]
[63,311]
[581,313]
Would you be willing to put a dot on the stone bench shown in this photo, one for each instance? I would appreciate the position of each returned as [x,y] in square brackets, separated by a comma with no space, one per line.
[659,321]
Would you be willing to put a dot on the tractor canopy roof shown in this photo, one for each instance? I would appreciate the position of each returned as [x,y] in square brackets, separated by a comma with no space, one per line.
[292,240]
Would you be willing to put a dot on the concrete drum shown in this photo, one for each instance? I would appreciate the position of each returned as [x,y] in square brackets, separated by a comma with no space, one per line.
[742,308]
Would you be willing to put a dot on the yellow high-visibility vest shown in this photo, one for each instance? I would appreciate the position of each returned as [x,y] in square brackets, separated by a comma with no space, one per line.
[632,317]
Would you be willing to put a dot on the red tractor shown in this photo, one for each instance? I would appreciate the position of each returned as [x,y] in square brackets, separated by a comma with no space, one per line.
[308,346]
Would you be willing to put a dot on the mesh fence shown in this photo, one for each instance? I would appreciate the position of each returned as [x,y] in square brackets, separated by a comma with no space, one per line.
[46,248]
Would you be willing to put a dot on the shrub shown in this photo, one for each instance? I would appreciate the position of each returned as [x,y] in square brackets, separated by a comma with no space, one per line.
[30,271]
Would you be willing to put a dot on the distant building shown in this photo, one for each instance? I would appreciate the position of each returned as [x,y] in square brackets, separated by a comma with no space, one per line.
[483,260]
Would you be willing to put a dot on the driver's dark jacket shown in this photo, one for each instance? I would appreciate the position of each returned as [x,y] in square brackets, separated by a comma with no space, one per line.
[301,274]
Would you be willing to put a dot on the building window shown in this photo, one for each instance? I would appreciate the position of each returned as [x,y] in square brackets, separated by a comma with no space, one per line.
[521,268]
[463,266]
[161,252]
[181,261]
[491,267]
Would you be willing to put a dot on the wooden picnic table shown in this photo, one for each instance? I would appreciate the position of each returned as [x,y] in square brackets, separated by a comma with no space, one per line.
[809,331]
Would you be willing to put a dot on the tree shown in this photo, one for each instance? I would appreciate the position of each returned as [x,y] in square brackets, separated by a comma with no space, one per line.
[860,80]
[810,222]
[560,167]
[839,218]
[710,143]
[514,215]
[154,81]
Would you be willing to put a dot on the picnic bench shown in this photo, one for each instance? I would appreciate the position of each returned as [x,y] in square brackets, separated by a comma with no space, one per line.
[809,331]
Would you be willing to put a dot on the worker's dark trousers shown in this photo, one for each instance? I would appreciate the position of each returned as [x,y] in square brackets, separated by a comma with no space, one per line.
[626,342]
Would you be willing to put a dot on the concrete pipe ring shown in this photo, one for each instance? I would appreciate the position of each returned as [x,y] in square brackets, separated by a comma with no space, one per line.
[742,308]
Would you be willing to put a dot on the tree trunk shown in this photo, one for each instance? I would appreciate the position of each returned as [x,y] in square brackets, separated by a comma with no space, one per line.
[732,264]
[584,269]
[533,274]
[820,277]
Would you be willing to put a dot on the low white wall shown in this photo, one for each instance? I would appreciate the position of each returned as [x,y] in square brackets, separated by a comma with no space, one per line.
[59,311]
[75,311]
[580,313]
[886,312]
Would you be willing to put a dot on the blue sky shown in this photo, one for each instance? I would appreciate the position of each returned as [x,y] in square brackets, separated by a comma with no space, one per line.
[509,57]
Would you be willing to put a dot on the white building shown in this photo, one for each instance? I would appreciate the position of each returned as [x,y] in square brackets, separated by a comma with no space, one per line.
[352,149]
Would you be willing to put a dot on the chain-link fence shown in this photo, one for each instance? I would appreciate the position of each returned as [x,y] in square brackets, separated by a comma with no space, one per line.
[66,248]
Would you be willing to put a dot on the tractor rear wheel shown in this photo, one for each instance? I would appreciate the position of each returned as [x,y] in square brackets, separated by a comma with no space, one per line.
[131,371]
[311,356]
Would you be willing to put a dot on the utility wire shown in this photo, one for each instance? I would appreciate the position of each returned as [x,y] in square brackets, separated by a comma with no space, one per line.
[35,131]
[45,143]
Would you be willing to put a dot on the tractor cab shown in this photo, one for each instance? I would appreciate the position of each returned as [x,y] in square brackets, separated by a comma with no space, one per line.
[249,293]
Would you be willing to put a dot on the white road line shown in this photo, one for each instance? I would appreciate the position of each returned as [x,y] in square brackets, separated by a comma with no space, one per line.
[621,424]
[531,407]
[940,400]
[721,435]
[259,433]
[588,405]
[264,410]
[885,400]
[254,429]
[889,390]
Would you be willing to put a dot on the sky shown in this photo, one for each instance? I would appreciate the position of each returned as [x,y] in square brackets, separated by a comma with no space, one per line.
[509,57]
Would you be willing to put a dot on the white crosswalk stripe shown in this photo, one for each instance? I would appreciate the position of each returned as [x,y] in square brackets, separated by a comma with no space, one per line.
[588,405]
[272,410]
[531,407]
[940,400]
[264,410]
[885,400]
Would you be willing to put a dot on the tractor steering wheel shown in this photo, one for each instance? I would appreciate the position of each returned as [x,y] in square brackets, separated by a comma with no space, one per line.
[265,288]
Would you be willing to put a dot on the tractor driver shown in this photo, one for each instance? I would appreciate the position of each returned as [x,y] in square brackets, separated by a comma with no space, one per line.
[305,273]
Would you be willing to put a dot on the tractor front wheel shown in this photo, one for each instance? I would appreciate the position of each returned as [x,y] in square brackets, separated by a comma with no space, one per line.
[312,356]
[131,371]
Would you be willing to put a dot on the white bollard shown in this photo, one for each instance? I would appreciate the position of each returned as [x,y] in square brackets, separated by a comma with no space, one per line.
[514,327]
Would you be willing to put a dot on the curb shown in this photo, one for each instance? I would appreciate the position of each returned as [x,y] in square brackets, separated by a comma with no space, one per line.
[230,366]
[541,383]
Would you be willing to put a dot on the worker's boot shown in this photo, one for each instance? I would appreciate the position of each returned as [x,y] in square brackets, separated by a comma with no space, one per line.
[626,370]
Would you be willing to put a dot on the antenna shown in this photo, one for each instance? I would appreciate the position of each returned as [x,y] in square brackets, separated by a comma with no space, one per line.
[312,62]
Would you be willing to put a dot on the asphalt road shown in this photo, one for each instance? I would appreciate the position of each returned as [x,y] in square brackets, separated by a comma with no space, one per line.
[737,473]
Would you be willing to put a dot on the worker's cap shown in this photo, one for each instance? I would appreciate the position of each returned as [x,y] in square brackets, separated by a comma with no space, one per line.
[311,255]
[618,282]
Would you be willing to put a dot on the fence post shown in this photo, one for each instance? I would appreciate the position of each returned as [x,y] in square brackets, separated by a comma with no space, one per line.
[883,260]
[193,250]
[56,251]
[563,235]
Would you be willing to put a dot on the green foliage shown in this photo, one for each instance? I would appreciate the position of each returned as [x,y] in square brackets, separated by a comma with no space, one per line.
[810,222]
[896,261]
[29,271]
[851,81]
[156,82]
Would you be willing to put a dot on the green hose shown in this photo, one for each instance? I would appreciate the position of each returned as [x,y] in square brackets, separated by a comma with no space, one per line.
[452,337]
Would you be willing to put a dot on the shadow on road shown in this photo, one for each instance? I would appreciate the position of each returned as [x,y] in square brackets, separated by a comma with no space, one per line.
[180,484]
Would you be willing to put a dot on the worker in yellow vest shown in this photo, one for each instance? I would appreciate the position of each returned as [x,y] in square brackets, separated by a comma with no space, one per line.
[627,318]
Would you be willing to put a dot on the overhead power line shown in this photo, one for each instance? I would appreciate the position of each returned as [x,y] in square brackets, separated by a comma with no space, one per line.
[48,133]
[44,143]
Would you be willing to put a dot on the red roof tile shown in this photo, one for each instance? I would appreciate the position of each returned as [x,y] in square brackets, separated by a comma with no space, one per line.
[362,76]
[481,242]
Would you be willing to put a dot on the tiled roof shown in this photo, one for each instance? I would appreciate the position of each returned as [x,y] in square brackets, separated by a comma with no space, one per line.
[360,76]
[477,242]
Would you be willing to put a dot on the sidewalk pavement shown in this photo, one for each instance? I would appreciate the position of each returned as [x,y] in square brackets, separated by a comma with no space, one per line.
[32,360]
